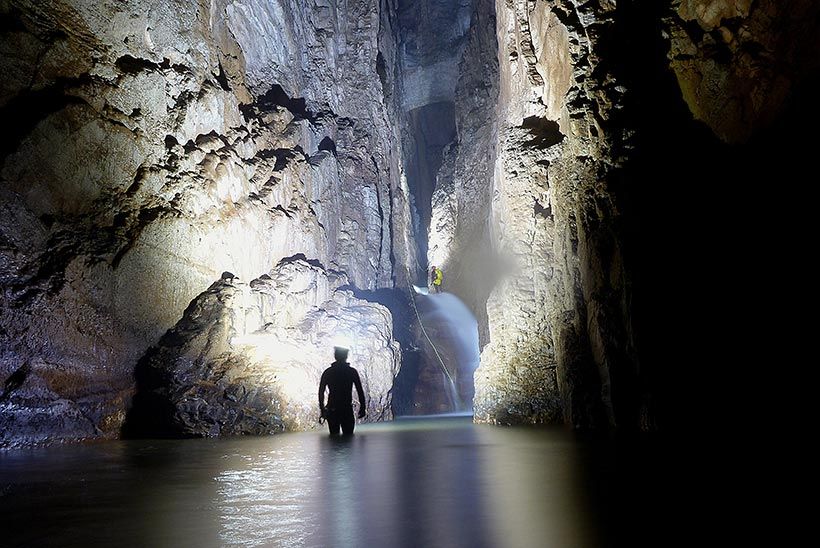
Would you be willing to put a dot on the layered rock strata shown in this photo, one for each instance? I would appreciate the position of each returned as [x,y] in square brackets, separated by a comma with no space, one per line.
[558,320]
[449,74]
[737,62]
[151,146]
[458,235]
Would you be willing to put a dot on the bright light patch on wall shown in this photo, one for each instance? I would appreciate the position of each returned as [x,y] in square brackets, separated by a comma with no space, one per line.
[266,346]
[284,361]
[343,340]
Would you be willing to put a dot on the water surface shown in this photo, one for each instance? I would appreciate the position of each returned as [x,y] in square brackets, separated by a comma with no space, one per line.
[413,482]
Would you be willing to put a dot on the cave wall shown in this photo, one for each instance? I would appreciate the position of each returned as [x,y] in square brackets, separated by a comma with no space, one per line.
[154,145]
[737,63]
[559,317]
[432,37]
[150,146]
[627,299]
[431,41]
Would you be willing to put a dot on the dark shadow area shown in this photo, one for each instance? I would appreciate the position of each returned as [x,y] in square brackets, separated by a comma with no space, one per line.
[545,133]
[648,490]
[700,224]
[150,414]
[22,113]
[328,145]
[431,30]
[276,97]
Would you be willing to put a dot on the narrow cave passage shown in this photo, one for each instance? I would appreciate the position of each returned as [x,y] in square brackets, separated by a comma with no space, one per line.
[438,364]
[432,127]
[438,367]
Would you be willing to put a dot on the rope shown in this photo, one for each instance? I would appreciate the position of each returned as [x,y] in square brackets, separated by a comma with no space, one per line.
[456,403]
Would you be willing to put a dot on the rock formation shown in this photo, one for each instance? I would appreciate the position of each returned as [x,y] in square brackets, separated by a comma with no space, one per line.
[153,147]
[247,358]
[559,318]
[738,61]
[613,288]
[459,229]
[587,175]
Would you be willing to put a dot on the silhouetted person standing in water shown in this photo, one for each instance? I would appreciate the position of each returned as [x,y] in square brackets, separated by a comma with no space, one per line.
[340,378]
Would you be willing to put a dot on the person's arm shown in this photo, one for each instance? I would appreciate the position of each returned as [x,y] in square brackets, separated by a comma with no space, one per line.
[322,388]
[362,403]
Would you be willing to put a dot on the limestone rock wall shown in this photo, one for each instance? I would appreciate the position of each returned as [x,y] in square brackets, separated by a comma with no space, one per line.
[614,281]
[560,344]
[431,42]
[459,228]
[154,145]
[247,358]
[737,62]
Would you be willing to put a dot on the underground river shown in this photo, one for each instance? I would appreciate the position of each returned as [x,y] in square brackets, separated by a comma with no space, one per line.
[411,482]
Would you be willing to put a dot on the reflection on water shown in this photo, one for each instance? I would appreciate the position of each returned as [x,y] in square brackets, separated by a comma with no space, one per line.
[419,482]
[253,501]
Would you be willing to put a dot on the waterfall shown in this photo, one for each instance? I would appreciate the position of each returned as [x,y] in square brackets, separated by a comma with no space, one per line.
[453,332]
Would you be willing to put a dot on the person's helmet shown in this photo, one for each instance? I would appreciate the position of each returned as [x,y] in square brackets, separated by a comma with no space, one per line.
[340,353]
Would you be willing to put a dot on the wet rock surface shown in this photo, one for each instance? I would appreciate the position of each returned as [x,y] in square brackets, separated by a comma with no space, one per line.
[597,186]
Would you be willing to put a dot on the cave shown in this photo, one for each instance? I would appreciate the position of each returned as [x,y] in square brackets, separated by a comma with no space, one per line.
[432,128]
[199,201]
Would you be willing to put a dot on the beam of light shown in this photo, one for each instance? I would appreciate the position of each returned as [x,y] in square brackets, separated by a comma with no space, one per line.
[266,345]
[421,290]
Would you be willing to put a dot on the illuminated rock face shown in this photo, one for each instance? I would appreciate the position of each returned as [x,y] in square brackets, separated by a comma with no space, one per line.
[605,276]
[147,149]
[459,236]
[150,148]
[557,318]
[246,359]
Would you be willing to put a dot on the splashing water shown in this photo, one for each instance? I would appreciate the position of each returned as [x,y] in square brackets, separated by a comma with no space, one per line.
[454,331]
